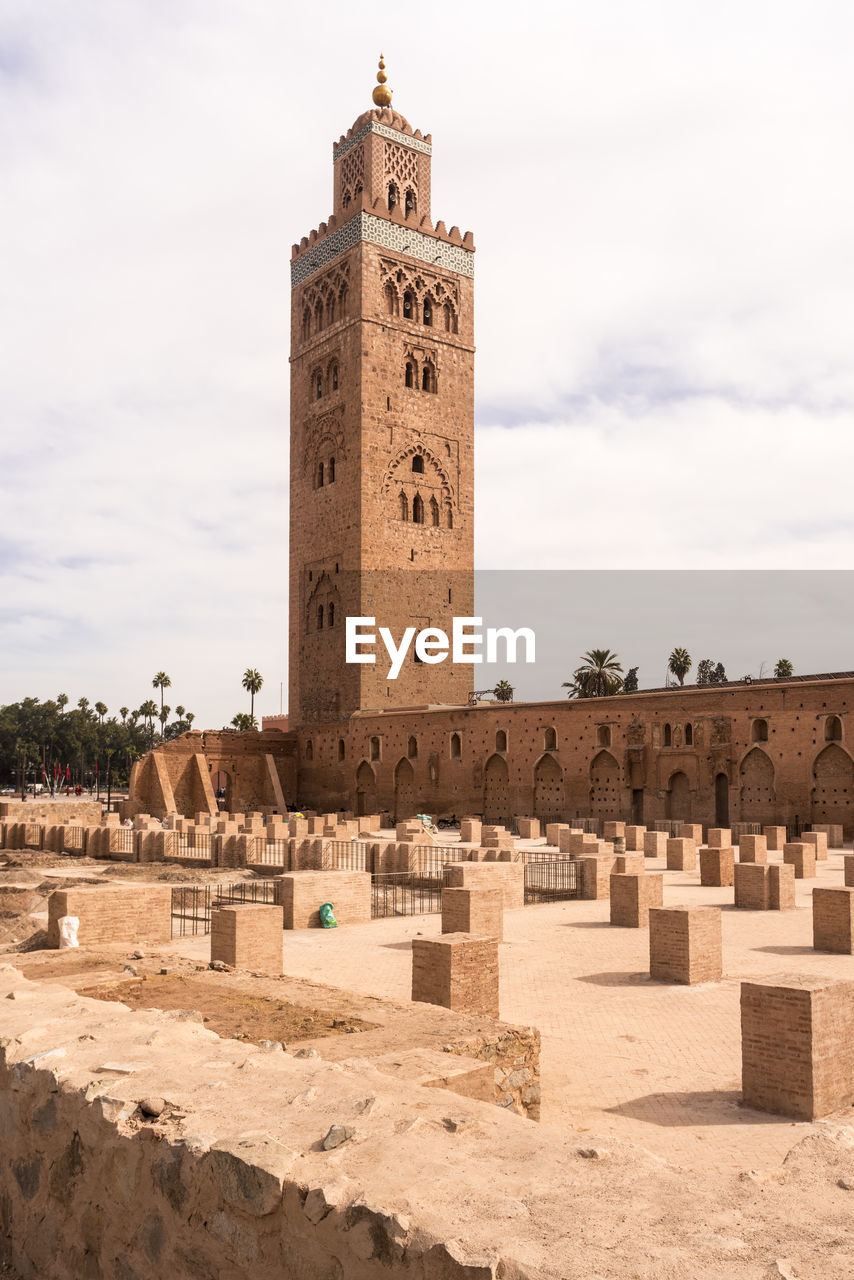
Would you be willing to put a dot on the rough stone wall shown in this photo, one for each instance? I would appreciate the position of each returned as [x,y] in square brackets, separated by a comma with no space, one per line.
[74,812]
[113,913]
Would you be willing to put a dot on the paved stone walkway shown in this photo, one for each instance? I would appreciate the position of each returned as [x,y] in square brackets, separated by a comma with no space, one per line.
[655,1064]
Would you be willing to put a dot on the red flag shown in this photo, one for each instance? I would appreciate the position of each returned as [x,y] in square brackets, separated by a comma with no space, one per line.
[55,770]
[68,773]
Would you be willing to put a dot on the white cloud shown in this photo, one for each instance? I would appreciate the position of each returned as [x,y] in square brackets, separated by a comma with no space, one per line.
[662,204]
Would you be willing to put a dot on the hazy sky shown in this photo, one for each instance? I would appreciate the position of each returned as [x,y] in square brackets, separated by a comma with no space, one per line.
[662,200]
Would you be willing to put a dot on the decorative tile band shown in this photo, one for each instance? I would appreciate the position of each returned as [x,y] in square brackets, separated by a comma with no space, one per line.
[388,235]
[386,132]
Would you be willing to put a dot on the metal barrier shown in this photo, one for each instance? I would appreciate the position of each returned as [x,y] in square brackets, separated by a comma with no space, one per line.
[398,893]
[192,844]
[552,880]
[346,855]
[272,853]
[192,904]
[121,839]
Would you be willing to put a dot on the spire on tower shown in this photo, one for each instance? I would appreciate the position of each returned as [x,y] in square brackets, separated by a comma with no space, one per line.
[382,94]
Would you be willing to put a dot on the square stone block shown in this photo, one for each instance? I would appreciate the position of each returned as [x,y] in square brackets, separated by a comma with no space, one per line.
[751,886]
[802,857]
[479,912]
[458,972]
[613,829]
[797,1046]
[301,894]
[655,844]
[776,838]
[632,895]
[781,887]
[247,936]
[692,831]
[596,876]
[681,854]
[634,838]
[833,920]
[719,838]
[553,830]
[717,867]
[753,849]
[685,944]
[529,828]
[818,839]
[848,869]
[631,864]
[509,876]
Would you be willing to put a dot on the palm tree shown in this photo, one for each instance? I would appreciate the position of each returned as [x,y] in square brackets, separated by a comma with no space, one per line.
[783,669]
[600,676]
[243,721]
[62,701]
[148,710]
[191,715]
[503,691]
[164,716]
[123,712]
[161,681]
[179,712]
[679,664]
[252,681]
[101,709]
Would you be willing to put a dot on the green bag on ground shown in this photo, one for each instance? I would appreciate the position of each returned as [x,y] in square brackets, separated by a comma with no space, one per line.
[327,919]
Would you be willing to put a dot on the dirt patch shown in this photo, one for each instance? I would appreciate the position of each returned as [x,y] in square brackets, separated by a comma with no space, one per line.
[228,1010]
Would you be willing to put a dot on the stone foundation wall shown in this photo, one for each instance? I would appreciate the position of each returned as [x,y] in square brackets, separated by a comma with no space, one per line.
[113,913]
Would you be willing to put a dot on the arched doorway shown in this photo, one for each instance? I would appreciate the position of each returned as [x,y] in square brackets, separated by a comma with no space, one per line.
[678,806]
[366,790]
[405,801]
[605,787]
[548,790]
[221,783]
[756,795]
[833,787]
[496,792]
[721,800]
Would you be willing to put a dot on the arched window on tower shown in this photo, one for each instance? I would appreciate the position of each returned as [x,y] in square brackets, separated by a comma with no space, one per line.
[418,464]
[318,316]
[409,201]
[320,617]
[417,509]
[330,615]
[375,748]
[392,196]
[306,324]
[760,731]
[330,309]
[450,318]
[668,736]
[318,385]
[412,748]
[450,516]
[434,512]
[404,507]
[343,295]
[833,729]
[342,749]
[550,739]
[320,475]
[501,740]
[456,746]
[409,305]
[603,736]
[428,377]
[409,377]
[333,376]
[427,311]
[331,470]
[689,735]
[390,299]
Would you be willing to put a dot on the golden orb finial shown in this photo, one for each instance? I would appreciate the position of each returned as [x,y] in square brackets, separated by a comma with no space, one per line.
[382,94]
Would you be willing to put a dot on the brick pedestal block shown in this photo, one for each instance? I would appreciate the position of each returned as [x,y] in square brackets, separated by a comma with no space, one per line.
[848,865]
[510,876]
[655,844]
[613,829]
[470,829]
[248,936]
[681,854]
[832,830]
[717,867]
[751,886]
[833,920]
[719,838]
[553,830]
[634,839]
[753,849]
[479,912]
[578,843]
[632,896]
[692,831]
[458,972]
[596,876]
[114,913]
[685,944]
[818,839]
[529,828]
[802,858]
[301,894]
[797,1046]
[629,864]
[781,887]
[776,837]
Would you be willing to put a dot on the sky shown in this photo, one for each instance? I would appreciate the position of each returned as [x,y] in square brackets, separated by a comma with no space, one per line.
[662,200]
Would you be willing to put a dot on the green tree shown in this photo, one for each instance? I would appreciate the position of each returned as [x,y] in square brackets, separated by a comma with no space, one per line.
[62,702]
[630,684]
[83,705]
[123,712]
[503,691]
[679,664]
[719,674]
[243,721]
[783,669]
[161,681]
[101,710]
[600,675]
[148,711]
[252,682]
[705,671]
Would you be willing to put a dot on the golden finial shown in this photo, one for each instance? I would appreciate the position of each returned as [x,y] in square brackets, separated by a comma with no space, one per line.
[381,94]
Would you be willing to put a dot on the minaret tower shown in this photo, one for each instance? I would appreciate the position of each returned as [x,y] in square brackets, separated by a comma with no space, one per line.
[382,426]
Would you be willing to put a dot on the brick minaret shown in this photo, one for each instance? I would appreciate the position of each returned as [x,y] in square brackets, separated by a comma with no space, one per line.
[382,426]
